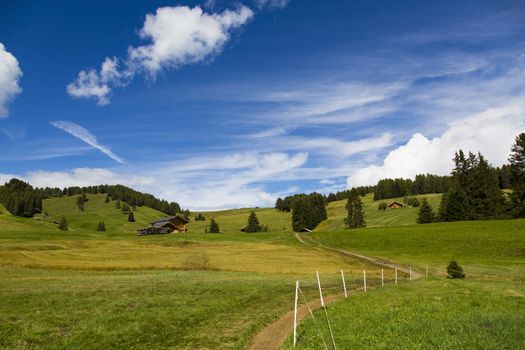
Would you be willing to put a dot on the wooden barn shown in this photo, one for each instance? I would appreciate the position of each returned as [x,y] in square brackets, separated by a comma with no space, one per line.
[395,205]
[165,225]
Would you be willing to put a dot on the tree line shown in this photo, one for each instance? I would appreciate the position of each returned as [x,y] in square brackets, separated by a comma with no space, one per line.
[308,210]
[21,199]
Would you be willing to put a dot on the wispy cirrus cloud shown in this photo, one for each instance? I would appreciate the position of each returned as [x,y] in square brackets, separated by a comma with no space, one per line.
[86,136]
[178,36]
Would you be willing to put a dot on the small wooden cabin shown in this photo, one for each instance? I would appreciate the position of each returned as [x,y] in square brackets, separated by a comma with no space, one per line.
[395,205]
[165,225]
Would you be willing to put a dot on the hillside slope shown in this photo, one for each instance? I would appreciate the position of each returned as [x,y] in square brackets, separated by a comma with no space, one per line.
[375,218]
[96,210]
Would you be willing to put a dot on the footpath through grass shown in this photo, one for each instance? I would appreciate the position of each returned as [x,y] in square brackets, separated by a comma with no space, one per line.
[486,310]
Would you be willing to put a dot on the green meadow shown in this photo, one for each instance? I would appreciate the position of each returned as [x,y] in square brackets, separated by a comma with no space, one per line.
[85,289]
[485,310]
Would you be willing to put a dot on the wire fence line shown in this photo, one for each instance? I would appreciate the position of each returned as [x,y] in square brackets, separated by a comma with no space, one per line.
[355,284]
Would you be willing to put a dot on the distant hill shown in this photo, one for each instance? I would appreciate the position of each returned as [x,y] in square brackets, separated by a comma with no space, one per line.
[375,218]
[95,210]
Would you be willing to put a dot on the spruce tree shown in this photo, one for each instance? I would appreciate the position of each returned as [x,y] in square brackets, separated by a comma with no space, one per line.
[253,224]
[62,224]
[117,204]
[101,226]
[125,208]
[517,179]
[355,214]
[131,217]
[214,227]
[426,213]
[107,200]
[302,214]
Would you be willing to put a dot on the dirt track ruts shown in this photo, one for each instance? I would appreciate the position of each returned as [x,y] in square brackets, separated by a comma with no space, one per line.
[273,335]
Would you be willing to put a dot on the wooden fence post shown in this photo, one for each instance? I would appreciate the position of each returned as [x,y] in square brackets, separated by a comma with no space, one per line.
[344,284]
[320,290]
[396,275]
[382,278]
[295,314]
[364,279]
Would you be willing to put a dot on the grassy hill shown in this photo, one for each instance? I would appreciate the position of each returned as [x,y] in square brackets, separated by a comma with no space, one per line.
[478,312]
[375,218]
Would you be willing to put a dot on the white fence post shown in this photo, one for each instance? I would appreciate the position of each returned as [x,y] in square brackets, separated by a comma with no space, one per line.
[364,279]
[410,272]
[344,284]
[396,275]
[295,314]
[320,291]
[382,278]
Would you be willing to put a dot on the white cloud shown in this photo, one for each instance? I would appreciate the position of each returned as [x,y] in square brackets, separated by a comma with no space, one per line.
[86,136]
[279,4]
[200,184]
[491,132]
[10,74]
[178,36]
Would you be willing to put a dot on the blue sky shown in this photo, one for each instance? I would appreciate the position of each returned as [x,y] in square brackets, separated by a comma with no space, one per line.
[220,104]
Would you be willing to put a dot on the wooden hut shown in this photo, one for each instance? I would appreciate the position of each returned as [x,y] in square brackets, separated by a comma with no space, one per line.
[395,205]
[165,225]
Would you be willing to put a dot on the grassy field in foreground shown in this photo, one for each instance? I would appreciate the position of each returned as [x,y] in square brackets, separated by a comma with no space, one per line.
[83,289]
[485,310]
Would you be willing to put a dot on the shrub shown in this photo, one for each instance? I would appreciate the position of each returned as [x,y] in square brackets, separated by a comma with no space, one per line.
[131,217]
[454,270]
[382,206]
[62,224]
[101,226]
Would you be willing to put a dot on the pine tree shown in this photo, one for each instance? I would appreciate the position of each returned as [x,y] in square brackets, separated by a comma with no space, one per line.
[302,214]
[253,223]
[279,204]
[454,270]
[214,227]
[517,171]
[426,213]
[107,200]
[131,217]
[117,204]
[101,226]
[62,224]
[125,208]
[355,214]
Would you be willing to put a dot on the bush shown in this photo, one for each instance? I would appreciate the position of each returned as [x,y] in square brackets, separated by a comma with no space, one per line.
[62,224]
[131,217]
[382,206]
[454,270]
[101,226]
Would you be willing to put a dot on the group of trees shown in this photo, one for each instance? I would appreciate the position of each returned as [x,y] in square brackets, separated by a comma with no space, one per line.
[475,189]
[355,214]
[200,217]
[422,184]
[308,211]
[21,199]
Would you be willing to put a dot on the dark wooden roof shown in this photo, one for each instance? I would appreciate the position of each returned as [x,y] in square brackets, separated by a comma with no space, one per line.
[394,203]
[169,219]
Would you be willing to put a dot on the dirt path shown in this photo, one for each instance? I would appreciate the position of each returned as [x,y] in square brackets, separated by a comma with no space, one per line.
[372,260]
[272,337]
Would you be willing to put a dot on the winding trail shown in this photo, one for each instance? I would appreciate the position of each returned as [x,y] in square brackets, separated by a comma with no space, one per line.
[273,335]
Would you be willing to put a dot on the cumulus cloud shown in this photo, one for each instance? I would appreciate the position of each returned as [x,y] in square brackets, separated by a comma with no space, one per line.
[490,132]
[178,36]
[10,74]
[84,135]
